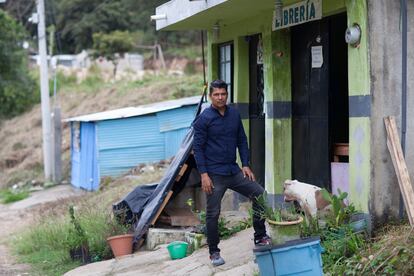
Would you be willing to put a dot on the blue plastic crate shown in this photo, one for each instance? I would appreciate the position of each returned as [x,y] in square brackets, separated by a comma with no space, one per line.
[297,257]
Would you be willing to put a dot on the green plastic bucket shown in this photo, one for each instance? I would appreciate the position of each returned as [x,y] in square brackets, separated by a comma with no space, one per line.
[177,249]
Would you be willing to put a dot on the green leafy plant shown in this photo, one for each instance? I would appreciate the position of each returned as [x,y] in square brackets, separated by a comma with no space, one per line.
[278,214]
[339,244]
[119,225]
[201,215]
[226,232]
[310,227]
[340,213]
[79,249]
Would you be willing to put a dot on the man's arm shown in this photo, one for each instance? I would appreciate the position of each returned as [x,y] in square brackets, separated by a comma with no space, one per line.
[199,145]
[244,152]
[200,140]
[242,145]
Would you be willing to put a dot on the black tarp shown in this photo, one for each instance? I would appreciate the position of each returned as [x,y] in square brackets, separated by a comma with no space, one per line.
[141,205]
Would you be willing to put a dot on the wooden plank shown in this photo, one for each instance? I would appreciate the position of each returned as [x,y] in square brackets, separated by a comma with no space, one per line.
[182,217]
[166,199]
[164,219]
[397,157]
[400,167]
[181,173]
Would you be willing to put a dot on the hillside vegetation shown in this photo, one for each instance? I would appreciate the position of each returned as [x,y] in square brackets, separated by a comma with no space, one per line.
[21,136]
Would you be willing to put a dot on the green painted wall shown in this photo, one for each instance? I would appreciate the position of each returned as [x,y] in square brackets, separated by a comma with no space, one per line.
[278,88]
[358,67]
[359,162]
[359,128]
[241,76]
[277,78]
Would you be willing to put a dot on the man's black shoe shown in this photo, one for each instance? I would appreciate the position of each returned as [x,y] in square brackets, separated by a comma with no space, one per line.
[263,241]
[216,259]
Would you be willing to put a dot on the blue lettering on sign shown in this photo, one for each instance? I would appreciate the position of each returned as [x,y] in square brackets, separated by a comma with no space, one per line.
[296,14]
[302,13]
[285,17]
[312,11]
[307,10]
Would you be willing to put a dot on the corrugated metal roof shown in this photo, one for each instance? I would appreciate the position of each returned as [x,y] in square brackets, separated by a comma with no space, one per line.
[136,111]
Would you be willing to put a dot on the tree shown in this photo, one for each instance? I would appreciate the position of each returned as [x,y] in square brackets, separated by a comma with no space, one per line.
[114,45]
[77,20]
[17,89]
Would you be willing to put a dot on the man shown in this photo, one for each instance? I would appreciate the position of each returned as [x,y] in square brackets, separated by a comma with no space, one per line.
[218,132]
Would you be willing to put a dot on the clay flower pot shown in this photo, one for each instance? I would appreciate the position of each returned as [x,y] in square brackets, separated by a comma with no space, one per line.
[283,231]
[121,245]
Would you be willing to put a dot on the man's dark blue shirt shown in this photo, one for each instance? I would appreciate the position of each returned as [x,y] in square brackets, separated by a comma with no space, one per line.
[216,138]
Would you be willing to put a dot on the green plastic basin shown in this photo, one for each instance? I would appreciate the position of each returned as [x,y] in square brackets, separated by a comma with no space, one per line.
[177,249]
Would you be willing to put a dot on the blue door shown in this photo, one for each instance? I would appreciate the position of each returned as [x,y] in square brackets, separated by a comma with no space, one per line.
[89,174]
[75,154]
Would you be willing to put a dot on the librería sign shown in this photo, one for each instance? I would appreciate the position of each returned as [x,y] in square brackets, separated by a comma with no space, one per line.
[299,13]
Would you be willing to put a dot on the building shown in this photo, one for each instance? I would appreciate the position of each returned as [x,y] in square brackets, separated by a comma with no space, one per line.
[313,104]
[112,142]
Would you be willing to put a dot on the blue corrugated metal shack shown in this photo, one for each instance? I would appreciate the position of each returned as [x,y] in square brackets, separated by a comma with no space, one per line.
[112,142]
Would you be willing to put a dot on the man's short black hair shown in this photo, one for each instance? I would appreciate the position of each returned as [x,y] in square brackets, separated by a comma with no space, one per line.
[217,84]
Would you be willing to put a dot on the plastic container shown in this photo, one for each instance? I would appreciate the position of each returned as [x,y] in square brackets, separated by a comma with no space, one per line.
[361,223]
[121,245]
[297,257]
[177,249]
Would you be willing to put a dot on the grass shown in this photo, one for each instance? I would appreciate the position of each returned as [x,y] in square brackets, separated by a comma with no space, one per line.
[46,244]
[9,195]
[391,252]
[32,172]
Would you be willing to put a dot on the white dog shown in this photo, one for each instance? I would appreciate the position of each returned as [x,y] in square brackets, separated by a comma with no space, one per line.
[308,196]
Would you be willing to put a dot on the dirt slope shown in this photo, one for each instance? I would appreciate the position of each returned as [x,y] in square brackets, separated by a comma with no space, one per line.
[21,137]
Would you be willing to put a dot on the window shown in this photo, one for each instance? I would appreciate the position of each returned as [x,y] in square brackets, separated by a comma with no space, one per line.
[226,67]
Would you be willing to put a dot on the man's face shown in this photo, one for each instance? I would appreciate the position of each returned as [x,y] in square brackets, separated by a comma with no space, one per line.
[219,97]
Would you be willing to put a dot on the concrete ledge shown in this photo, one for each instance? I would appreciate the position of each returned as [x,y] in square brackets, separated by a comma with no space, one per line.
[157,236]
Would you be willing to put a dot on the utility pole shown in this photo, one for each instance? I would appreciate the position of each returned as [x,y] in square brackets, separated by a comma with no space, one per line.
[44,91]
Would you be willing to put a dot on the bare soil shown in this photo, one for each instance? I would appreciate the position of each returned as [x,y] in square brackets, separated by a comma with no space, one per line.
[20,215]
[11,221]
[21,150]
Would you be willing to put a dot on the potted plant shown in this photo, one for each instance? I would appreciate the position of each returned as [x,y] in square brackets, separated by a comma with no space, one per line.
[284,222]
[120,239]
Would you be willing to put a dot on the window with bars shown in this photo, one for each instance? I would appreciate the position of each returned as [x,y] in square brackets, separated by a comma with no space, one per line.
[226,67]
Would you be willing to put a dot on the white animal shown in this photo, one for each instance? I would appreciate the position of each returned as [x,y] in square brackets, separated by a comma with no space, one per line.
[308,196]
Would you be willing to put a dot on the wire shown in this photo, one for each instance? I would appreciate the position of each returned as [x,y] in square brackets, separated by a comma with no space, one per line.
[204,67]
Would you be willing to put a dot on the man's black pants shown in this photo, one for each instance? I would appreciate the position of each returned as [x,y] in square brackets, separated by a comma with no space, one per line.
[237,183]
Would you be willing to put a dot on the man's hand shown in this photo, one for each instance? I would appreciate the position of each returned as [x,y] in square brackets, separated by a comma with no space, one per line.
[247,172]
[206,183]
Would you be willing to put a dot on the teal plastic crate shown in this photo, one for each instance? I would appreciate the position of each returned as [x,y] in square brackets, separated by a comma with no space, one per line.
[297,257]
